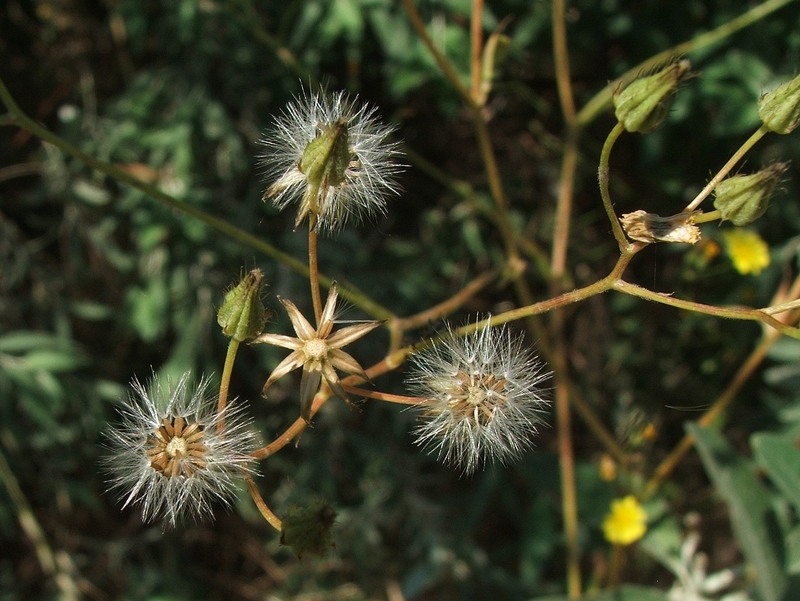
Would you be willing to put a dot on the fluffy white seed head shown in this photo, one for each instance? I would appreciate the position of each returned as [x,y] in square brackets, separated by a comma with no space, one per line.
[173,454]
[368,179]
[486,399]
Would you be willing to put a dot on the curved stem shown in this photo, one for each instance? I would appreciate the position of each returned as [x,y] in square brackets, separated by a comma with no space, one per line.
[603,180]
[272,519]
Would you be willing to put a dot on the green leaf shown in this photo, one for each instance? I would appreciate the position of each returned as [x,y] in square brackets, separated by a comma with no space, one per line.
[750,513]
[24,340]
[623,593]
[54,361]
[780,458]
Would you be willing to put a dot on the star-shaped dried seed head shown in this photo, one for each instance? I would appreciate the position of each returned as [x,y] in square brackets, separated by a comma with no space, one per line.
[318,351]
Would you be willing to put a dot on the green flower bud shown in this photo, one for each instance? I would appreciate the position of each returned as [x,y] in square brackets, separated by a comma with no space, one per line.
[308,530]
[327,156]
[779,109]
[643,105]
[744,198]
[242,315]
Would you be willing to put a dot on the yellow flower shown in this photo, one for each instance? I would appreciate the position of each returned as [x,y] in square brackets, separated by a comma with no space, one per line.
[626,523]
[749,253]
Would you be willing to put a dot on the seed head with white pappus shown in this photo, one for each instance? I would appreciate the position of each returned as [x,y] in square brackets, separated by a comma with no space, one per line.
[173,454]
[485,397]
[331,155]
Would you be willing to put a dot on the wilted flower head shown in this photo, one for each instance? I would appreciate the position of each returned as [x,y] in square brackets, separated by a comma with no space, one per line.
[317,350]
[331,155]
[485,397]
[648,227]
[173,454]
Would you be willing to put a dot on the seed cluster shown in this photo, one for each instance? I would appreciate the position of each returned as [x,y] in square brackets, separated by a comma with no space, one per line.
[477,396]
[176,448]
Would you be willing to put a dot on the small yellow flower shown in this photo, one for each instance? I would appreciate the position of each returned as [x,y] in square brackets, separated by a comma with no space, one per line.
[626,523]
[747,250]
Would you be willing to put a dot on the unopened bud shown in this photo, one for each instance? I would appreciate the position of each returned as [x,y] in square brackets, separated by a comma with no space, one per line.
[309,530]
[779,109]
[742,199]
[648,227]
[643,105]
[242,315]
[327,156]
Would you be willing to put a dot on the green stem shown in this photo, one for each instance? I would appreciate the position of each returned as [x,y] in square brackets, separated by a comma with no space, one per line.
[707,217]
[603,180]
[224,385]
[602,100]
[741,313]
[735,158]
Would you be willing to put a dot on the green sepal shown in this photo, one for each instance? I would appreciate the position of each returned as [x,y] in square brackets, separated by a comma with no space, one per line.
[242,315]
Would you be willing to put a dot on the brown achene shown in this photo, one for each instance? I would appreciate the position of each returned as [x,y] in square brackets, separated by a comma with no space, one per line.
[177,449]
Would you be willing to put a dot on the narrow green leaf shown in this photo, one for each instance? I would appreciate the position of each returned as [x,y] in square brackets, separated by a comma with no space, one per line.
[780,458]
[750,512]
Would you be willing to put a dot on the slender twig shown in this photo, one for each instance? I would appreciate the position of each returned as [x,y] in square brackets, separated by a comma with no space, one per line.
[272,519]
[313,269]
[445,307]
[558,259]
[735,158]
[603,180]
[225,382]
[476,48]
[671,461]
[566,455]
[744,373]
[449,72]
[741,313]
[385,396]
[45,555]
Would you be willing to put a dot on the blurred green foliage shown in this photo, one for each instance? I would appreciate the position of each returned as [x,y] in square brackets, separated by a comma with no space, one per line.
[100,283]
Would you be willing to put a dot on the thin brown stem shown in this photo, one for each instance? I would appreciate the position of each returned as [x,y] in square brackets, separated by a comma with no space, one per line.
[448,70]
[272,519]
[747,369]
[561,55]
[671,461]
[313,269]
[385,396]
[476,48]
[569,497]
[445,307]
